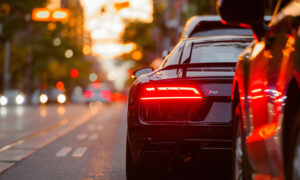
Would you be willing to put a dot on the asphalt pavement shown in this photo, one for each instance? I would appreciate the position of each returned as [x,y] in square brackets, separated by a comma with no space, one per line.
[94,150]
[71,142]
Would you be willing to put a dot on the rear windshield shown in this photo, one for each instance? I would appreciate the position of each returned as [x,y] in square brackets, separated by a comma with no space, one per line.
[216,52]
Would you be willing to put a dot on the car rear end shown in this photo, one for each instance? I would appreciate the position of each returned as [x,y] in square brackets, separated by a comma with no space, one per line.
[180,115]
[184,121]
[97,92]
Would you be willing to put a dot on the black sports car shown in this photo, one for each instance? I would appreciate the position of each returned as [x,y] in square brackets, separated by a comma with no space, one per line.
[180,114]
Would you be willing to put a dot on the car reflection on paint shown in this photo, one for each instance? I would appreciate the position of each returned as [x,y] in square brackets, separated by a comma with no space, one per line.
[180,114]
[266,92]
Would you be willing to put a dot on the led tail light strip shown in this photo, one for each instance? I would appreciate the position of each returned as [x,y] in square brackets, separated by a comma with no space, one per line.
[165,93]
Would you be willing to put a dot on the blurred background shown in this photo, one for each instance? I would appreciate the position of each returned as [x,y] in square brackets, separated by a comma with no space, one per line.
[63,50]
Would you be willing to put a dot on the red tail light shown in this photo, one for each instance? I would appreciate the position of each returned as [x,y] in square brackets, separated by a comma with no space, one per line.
[106,94]
[88,93]
[165,93]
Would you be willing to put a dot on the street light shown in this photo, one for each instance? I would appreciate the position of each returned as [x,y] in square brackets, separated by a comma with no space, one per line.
[41,14]
[44,14]
[62,14]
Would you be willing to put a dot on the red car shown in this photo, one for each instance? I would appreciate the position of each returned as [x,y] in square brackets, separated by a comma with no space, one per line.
[266,92]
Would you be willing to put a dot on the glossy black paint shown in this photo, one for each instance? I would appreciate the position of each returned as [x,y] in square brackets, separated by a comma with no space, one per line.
[164,137]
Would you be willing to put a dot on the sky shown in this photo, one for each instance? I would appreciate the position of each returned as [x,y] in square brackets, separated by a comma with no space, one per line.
[107,23]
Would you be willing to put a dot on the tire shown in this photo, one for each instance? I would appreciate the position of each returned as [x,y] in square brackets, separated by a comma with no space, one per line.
[141,172]
[240,165]
[293,152]
[132,169]
[291,133]
[296,157]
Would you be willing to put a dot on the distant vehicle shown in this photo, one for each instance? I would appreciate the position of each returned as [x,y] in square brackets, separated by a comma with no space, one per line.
[198,26]
[12,97]
[97,92]
[52,95]
[266,92]
[182,111]
[77,95]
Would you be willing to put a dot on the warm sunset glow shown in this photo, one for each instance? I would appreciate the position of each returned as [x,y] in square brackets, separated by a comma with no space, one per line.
[112,50]
[86,50]
[138,10]
[106,19]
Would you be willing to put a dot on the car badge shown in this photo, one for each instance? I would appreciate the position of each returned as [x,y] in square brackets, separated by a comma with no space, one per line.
[212,92]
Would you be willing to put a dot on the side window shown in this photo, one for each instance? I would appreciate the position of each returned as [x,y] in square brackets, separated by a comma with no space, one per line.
[174,56]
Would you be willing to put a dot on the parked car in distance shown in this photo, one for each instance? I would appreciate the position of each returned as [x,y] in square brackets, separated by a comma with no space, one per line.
[266,92]
[180,114]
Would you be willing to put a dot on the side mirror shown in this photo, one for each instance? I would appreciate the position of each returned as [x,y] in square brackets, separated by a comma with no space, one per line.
[248,13]
[139,72]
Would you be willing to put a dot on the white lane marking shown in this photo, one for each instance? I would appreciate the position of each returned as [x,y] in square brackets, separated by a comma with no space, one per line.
[93,136]
[63,152]
[91,127]
[99,127]
[79,152]
[82,136]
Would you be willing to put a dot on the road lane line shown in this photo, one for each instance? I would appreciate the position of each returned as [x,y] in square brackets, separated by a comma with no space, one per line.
[79,152]
[61,124]
[93,136]
[82,136]
[5,165]
[63,152]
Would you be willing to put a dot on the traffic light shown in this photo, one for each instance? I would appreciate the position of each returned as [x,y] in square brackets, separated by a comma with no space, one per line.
[60,85]
[74,73]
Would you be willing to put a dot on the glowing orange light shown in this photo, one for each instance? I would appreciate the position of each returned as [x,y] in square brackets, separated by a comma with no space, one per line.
[41,14]
[61,14]
[137,55]
[74,73]
[263,132]
[121,5]
[268,130]
[60,85]
[86,50]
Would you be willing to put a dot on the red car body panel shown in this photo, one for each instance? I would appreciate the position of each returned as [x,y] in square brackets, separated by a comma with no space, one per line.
[261,81]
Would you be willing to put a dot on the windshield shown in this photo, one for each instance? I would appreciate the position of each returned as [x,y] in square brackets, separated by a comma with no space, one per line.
[216,52]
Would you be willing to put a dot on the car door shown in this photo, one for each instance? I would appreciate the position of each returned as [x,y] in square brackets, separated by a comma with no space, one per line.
[270,69]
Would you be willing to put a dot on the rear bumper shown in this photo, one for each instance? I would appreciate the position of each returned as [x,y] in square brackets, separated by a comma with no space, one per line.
[192,145]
